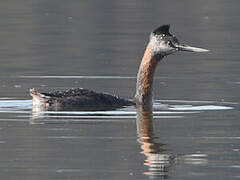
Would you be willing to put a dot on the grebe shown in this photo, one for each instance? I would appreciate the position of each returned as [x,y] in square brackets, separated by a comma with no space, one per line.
[161,44]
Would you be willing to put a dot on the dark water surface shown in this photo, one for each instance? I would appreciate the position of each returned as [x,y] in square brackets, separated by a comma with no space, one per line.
[195,130]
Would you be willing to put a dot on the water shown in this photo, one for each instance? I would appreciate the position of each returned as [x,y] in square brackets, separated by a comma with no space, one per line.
[194,130]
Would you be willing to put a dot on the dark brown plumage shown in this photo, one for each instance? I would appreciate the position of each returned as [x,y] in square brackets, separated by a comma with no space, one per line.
[78,99]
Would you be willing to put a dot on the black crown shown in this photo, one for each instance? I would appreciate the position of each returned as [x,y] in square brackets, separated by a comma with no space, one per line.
[164,29]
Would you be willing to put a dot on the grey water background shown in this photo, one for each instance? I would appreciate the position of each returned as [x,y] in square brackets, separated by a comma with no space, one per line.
[99,45]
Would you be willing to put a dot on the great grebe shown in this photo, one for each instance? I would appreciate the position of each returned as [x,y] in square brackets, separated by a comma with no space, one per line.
[161,44]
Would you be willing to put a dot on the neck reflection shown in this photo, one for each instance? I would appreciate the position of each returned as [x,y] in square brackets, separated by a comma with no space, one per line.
[157,159]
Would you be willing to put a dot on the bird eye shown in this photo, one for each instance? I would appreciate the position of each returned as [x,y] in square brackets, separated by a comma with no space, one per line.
[170,43]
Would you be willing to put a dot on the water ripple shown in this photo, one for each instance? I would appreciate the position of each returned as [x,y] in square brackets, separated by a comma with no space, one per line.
[22,109]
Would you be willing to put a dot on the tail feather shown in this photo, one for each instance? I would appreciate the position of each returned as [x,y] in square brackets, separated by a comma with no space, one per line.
[38,99]
[35,93]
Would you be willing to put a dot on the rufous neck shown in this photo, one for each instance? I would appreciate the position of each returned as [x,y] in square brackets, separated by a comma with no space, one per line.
[145,74]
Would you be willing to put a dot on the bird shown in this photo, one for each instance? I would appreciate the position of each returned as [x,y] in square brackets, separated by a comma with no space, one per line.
[161,44]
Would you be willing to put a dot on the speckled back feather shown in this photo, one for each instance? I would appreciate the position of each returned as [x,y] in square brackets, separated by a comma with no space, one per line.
[80,99]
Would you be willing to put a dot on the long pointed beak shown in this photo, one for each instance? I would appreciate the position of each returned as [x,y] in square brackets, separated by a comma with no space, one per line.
[191,49]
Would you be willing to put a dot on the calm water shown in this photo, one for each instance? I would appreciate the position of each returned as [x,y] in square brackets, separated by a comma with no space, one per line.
[194,132]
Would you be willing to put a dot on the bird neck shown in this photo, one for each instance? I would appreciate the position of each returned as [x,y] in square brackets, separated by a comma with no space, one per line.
[143,96]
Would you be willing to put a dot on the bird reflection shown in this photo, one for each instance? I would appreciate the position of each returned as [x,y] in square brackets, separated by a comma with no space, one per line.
[157,159]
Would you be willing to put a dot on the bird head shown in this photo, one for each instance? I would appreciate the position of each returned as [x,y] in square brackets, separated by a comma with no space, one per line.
[164,43]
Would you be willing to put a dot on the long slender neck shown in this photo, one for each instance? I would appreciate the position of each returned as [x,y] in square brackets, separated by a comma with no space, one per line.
[145,74]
